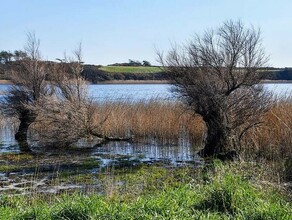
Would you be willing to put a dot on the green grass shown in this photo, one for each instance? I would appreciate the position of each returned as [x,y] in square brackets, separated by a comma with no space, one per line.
[130,69]
[219,191]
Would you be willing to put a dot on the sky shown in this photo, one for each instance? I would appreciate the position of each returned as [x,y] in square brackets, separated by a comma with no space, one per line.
[117,30]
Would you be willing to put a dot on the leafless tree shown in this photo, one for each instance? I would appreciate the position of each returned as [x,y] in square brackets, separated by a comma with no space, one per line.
[69,113]
[217,75]
[53,96]
[29,84]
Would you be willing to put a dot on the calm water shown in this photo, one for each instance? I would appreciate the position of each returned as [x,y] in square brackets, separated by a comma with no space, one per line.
[130,91]
[147,153]
[135,92]
[280,89]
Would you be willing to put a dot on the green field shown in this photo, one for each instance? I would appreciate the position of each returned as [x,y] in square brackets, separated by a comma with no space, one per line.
[131,69]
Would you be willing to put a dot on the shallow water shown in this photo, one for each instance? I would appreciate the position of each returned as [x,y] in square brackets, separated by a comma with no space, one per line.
[42,172]
[174,155]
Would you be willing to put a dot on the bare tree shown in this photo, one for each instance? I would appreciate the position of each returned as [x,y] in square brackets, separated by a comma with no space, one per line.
[53,96]
[217,76]
[28,76]
[69,113]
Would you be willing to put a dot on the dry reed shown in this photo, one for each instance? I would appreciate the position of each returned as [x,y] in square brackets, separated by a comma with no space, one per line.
[273,138]
[165,121]
[169,121]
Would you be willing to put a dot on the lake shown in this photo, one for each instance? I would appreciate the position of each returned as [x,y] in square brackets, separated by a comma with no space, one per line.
[136,92]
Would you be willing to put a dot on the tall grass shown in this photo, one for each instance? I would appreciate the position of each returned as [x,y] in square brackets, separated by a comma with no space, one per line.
[162,120]
[274,137]
[170,121]
[272,141]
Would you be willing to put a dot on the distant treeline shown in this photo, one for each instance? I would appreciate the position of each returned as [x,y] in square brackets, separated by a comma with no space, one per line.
[132,63]
[96,74]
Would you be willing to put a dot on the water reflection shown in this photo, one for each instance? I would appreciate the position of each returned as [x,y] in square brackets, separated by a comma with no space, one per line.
[7,140]
[113,152]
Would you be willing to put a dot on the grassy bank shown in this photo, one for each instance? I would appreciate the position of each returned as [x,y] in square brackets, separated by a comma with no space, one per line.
[97,74]
[131,69]
[218,191]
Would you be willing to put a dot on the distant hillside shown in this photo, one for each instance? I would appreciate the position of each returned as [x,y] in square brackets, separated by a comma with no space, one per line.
[97,73]
[106,73]
[131,69]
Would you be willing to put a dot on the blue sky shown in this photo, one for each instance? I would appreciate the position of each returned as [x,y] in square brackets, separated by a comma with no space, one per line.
[117,30]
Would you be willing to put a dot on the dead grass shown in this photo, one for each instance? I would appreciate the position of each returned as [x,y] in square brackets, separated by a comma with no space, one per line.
[273,139]
[165,121]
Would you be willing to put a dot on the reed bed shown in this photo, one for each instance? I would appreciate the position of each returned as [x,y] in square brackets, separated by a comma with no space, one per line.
[170,121]
[274,137]
[161,120]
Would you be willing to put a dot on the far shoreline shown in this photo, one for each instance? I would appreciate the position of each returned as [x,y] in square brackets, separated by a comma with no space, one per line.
[132,82]
[8,82]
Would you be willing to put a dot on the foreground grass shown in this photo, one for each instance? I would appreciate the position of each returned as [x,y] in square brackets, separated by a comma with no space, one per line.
[131,69]
[218,191]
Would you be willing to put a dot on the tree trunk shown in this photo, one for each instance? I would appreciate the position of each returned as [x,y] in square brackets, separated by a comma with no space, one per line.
[218,134]
[21,134]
